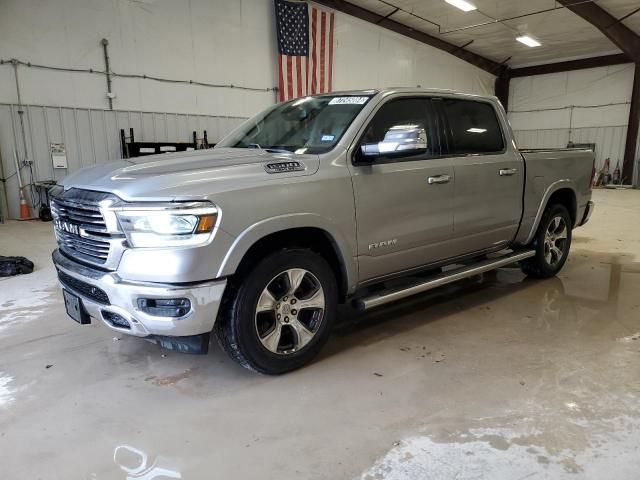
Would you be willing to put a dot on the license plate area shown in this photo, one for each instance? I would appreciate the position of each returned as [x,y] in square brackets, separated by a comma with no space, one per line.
[75,309]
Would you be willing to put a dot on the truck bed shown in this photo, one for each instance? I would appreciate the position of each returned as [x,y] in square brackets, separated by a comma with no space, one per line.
[548,171]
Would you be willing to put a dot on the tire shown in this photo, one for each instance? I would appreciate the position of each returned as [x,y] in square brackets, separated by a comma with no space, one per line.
[280,337]
[552,242]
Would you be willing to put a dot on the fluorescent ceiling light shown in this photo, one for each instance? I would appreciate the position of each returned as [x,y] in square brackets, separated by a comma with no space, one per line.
[476,130]
[528,41]
[462,5]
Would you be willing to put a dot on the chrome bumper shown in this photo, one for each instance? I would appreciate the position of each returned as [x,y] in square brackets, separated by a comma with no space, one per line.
[123,300]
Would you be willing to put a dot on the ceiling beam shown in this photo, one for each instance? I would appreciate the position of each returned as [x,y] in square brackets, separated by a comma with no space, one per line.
[383,21]
[568,66]
[502,88]
[621,35]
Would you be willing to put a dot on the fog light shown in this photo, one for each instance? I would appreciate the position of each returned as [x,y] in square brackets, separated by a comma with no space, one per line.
[165,307]
[116,320]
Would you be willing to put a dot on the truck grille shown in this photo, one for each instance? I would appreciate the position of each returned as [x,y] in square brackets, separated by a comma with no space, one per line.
[83,214]
[80,228]
[92,250]
[83,288]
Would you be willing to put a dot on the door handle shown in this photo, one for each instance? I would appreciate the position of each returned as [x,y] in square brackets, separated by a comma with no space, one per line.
[506,172]
[438,179]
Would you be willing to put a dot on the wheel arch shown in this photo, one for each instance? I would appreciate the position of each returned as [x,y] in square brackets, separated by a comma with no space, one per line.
[565,196]
[303,230]
[562,192]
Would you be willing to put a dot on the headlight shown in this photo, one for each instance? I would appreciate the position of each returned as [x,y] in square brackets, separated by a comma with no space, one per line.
[168,224]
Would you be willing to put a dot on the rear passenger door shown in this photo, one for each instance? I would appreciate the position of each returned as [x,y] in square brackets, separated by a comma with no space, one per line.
[489,175]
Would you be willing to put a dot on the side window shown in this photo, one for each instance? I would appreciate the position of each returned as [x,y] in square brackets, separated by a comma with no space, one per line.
[401,128]
[474,127]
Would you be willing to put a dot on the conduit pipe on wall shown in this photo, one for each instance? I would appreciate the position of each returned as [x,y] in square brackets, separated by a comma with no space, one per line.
[142,76]
[24,209]
[107,71]
[4,209]
[23,133]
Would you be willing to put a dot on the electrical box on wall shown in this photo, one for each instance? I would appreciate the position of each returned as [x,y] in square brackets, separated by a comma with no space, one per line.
[59,155]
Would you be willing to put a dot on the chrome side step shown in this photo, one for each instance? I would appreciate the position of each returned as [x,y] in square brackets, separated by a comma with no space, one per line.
[443,279]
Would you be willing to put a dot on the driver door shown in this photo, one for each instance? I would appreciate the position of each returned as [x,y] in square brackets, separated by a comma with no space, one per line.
[404,189]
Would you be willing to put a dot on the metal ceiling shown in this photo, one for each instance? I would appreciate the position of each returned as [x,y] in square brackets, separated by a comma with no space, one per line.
[490,30]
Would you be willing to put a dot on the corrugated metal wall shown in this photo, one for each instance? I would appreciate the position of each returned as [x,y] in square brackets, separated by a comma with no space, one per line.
[609,140]
[91,136]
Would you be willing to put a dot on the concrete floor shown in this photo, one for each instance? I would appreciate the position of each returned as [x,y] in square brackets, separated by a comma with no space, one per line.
[499,377]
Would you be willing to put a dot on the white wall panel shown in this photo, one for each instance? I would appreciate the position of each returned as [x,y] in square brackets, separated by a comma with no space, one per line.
[91,136]
[594,86]
[584,106]
[187,40]
[367,56]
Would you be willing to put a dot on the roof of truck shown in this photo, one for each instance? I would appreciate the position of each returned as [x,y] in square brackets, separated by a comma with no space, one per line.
[374,91]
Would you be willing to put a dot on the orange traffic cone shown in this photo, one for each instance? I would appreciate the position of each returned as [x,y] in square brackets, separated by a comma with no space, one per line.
[24,209]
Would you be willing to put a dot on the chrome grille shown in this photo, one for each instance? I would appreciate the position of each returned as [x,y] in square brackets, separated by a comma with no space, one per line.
[97,251]
[78,211]
[87,216]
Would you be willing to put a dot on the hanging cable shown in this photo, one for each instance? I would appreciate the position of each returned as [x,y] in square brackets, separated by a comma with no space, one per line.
[553,109]
[94,71]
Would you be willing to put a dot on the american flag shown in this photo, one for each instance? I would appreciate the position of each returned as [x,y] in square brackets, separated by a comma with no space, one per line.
[305,49]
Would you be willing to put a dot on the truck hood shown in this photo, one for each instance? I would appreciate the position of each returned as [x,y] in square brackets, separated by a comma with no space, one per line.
[185,175]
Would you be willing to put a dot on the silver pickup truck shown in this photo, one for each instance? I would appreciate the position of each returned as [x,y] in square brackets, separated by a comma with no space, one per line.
[314,202]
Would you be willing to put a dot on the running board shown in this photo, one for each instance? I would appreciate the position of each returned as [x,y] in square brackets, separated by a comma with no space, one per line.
[443,279]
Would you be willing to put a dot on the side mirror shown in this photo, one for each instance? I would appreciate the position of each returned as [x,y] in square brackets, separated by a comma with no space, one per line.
[399,140]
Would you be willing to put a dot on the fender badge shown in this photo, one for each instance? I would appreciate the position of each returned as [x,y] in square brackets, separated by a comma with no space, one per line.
[283,167]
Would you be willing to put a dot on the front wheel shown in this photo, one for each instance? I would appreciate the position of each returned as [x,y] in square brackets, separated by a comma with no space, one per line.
[279,315]
[551,243]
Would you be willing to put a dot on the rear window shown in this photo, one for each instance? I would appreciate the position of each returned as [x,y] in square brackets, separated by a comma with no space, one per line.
[474,127]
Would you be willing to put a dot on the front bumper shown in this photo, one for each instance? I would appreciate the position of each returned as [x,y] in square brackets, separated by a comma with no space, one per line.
[105,293]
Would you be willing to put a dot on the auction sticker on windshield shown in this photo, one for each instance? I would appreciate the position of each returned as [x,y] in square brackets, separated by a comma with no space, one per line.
[348,101]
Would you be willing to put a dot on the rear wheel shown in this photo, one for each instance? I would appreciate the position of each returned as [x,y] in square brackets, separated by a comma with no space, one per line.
[280,314]
[551,243]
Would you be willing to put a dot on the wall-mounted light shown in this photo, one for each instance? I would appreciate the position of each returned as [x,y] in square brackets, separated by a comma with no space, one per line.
[528,41]
[462,5]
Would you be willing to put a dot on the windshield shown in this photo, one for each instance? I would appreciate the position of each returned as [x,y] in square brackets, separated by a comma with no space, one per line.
[304,125]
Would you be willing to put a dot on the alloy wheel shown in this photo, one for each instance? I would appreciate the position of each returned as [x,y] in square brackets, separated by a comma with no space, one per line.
[289,311]
[555,240]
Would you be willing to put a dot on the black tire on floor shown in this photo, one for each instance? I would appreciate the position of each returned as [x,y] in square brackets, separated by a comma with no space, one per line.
[237,326]
[539,266]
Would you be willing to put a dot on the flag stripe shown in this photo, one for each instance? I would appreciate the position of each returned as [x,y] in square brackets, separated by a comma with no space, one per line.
[306,75]
[314,31]
[281,80]
[294,75]
[299,76]
[289,77]
[323,26]
[330,86]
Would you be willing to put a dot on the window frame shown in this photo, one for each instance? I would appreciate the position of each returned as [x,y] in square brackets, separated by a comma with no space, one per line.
[448,131]
[432,115]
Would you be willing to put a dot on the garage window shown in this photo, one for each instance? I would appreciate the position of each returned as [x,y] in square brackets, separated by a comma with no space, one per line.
[474,127]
